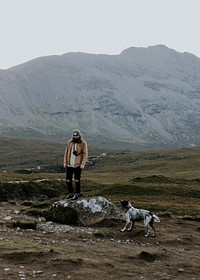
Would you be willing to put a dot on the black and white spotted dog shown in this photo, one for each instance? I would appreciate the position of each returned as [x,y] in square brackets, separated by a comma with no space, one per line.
[133,215]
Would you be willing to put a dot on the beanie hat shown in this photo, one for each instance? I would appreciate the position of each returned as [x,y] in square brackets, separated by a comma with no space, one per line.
[76,134]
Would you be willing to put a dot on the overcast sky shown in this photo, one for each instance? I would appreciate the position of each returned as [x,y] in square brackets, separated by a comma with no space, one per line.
[35,28]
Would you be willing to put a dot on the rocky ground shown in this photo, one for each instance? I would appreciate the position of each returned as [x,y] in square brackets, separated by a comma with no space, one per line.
[55,251]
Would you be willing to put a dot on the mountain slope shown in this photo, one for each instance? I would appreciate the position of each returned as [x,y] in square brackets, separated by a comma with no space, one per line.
[144,97]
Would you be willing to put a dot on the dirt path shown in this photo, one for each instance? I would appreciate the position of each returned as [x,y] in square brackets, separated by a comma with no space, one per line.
[64,252]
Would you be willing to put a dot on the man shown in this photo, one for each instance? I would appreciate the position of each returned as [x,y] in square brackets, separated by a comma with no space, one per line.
[75,158]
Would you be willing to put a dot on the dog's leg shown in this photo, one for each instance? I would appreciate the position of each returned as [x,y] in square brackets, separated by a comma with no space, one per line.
[130,225]
[150,226]
[124,228]
[153,229]
[148,223]
[148,233]
[153,233]
[127,222]
[126,225]
[148,229]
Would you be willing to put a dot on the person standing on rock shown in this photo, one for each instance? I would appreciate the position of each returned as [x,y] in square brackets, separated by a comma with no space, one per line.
[75,157]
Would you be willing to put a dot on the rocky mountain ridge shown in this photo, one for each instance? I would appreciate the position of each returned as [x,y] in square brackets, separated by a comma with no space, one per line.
[143,97]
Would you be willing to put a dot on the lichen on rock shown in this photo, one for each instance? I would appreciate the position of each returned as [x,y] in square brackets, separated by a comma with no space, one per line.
[87,211]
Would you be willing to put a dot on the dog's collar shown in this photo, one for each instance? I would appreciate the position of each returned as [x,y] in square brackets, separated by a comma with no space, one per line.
[126,209]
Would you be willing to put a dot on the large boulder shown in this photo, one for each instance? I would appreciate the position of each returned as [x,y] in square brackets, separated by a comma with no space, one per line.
[86,211]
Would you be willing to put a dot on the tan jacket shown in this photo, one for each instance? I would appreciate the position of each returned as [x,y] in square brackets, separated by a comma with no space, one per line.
[82,151]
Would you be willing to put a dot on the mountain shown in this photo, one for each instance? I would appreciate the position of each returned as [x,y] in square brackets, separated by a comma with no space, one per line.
[141,98]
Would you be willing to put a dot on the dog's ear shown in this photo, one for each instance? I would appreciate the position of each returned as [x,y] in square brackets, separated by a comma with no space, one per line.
[124,203]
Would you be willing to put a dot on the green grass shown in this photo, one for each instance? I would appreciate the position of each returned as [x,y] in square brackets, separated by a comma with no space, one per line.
[156,179]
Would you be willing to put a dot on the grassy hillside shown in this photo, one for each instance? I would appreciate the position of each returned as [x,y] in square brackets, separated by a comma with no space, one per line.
[178,163]
[167,180]
[161,180]
[21,153]
[18,153]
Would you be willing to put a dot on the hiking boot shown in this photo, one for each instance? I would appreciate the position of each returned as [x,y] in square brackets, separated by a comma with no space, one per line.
[75,197]
[70,196]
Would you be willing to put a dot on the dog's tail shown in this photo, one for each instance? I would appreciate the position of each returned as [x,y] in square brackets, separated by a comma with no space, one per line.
[156,219]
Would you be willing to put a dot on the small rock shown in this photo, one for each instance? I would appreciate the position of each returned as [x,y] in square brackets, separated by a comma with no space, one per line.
[6,269]
[7,218]
[39,272]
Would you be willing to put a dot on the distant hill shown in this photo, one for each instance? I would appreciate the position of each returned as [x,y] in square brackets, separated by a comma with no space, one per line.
[141,98]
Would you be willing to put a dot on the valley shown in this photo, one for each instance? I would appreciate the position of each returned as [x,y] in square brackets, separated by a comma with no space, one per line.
[164,181]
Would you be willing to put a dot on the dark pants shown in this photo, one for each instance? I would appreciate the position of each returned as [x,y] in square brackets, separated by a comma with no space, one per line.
[70,171]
